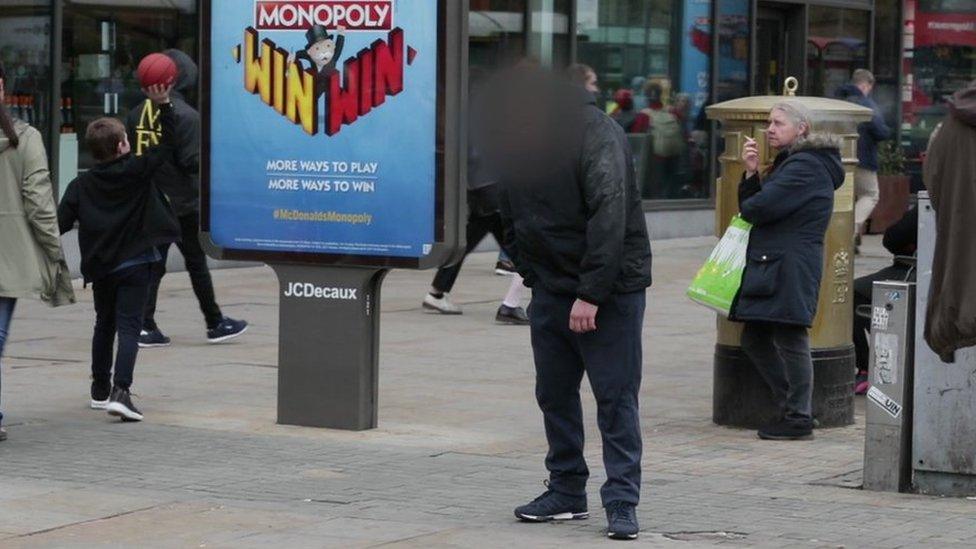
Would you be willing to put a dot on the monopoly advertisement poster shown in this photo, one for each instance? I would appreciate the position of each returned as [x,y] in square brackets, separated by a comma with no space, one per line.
[323,123]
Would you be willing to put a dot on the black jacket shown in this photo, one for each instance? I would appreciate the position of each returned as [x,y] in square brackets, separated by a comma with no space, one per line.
[869,133]
[790,211]
[120,211]
[179,178]
[575,221]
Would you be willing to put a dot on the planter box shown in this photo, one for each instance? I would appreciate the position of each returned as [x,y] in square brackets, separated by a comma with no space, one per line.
[895,193]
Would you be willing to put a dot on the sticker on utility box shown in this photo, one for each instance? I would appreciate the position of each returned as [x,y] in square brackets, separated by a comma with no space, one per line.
[888,405]
[879,318]
[885,358]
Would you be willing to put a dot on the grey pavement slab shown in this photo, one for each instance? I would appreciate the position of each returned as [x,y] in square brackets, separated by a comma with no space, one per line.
[459,444]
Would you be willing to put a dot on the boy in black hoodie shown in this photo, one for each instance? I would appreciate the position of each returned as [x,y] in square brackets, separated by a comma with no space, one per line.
[123,218]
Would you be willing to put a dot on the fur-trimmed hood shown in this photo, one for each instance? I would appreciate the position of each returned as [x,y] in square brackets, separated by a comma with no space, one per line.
[825,147]
[817,141]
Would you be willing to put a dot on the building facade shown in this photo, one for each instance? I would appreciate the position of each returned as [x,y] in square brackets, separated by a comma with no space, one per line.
[72,61]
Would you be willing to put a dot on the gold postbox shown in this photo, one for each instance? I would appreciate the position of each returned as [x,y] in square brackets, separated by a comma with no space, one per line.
[740,397]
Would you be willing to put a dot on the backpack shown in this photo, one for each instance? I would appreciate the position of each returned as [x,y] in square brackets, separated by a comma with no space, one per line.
[668,140]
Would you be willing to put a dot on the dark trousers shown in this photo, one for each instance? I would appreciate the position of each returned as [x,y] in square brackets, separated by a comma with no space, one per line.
[477,229]
[196,267]
[863,288]
[612,359]
[119,301]
[781,353]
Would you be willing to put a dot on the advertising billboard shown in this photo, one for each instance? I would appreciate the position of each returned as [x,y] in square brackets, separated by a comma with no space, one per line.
[324,125]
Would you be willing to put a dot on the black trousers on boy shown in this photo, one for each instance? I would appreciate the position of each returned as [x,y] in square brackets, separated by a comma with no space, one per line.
[612,359]
[196,267]
[119,301]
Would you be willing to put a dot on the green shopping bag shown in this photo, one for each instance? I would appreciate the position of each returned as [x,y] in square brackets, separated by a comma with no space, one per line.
[718,281]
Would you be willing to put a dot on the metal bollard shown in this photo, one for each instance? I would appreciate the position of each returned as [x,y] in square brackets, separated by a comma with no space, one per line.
[888,436]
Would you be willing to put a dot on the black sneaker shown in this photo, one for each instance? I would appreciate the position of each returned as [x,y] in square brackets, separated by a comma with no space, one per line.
[504,268]
[622,520]
[551,506]
[152,338]
[788,429]
[101,391]
[226,330]
[120,405]
[511,315]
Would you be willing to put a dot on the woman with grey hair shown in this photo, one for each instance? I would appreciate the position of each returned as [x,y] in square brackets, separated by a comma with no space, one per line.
[790,208]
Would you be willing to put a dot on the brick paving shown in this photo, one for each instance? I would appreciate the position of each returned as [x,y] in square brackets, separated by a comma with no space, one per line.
[460,441]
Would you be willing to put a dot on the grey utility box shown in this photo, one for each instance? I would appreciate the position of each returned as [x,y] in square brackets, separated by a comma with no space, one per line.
[944,432]
[888,437]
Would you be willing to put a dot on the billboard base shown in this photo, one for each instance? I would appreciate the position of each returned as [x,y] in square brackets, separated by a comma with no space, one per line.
[328,346]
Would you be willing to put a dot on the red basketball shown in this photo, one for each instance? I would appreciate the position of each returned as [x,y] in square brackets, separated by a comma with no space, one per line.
[156,68]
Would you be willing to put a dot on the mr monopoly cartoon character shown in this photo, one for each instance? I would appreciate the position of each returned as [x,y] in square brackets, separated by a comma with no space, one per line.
[323,49]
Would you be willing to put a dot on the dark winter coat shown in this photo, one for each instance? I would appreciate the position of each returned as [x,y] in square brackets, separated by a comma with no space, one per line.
[121,214]
[790,211]
[950,177]
[179,178]
[870,133]
[574,213]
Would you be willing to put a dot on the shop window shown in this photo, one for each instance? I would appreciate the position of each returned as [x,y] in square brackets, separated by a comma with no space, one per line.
[837,45]
[657,53]
[939,59]
[25,50]
[496,31]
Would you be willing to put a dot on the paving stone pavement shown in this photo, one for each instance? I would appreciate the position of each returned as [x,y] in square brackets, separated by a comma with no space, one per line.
[460,441]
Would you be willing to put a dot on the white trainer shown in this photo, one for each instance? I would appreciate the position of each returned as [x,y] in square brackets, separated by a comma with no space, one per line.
[442,305]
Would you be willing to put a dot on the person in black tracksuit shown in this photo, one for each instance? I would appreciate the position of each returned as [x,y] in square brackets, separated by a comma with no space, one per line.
[180,180]
[577,234]
[123,219]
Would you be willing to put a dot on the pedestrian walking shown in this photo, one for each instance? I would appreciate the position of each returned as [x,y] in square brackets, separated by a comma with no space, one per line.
[577,233]
[123,220]
[790,209]
[483,218]
[866,192]
[179,178]
[31,260]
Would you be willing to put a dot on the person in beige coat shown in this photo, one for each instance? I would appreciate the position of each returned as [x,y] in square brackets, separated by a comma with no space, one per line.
[31,260]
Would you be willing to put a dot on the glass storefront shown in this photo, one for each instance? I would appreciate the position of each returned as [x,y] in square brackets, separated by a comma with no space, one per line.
[25,50]
[652,60]
[659,62]
[939,57]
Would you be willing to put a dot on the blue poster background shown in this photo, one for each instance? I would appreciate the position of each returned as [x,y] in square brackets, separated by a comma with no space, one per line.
[695,70]
[399,136]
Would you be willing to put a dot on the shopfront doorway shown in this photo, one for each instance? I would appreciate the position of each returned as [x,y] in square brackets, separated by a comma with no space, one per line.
[779,46]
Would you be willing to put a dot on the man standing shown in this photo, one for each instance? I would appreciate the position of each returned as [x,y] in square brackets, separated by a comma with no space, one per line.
[577,234]
[869,135]
[180,180]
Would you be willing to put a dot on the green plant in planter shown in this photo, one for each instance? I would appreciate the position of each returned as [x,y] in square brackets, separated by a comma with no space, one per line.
[891,159]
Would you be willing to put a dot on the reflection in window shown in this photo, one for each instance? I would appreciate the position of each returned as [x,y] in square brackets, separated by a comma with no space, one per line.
[496,30]
[836,47]
[651,58]
[25,40]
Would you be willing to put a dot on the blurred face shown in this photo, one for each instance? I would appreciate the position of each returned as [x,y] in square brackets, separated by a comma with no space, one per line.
[782,132]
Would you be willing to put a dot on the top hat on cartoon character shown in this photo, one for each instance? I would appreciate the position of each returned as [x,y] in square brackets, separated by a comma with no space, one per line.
[317,34]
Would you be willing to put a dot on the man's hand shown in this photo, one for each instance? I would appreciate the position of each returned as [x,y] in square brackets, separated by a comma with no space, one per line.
[158,93]
[750,156]
[582,318]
